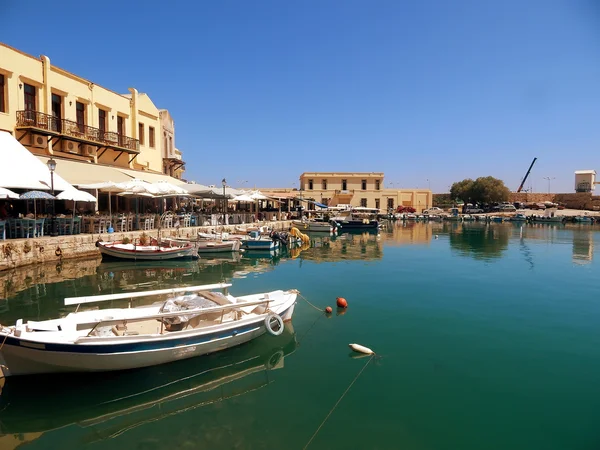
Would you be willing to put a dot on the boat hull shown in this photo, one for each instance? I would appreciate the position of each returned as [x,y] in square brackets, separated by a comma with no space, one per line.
[260,244]
[20,357]
[358,225]
[218,247]
[108,251]
[313,226]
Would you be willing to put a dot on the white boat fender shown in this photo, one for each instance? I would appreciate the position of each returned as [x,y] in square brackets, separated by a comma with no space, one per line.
[361,349]
[274,324]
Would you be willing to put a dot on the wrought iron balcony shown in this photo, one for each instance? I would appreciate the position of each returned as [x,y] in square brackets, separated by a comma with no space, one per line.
[53,125]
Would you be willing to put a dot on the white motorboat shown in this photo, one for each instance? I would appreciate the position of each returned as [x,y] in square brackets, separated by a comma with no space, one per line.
[194,321]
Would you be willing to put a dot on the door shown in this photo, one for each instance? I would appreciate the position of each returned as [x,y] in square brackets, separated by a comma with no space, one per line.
[56,113]
[121,129]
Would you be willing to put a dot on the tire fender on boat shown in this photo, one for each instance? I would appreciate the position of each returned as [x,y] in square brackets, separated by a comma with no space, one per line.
[269,324]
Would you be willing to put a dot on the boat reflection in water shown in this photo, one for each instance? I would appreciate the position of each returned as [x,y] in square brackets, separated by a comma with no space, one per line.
[109,404]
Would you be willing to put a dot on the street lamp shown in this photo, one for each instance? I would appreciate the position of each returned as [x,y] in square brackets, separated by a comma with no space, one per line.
[549,178]
[428,184]
[224,183]
[52,167]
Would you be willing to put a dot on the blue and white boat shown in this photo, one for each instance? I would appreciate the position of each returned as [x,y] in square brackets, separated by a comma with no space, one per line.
[194,321]
[256,241]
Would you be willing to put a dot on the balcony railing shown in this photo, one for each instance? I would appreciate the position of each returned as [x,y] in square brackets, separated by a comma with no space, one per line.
[344,191]
[41,121]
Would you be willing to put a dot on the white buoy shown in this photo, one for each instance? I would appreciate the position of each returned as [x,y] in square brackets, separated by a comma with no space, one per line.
[361,349]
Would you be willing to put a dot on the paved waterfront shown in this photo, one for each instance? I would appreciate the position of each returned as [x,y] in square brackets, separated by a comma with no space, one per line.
[488,336]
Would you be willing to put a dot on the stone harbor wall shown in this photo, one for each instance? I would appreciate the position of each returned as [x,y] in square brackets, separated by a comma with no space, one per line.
[580,200]
[22,252]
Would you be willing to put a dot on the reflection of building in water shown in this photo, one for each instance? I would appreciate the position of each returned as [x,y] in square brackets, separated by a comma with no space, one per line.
[407,233]
[365,246]
[583,247]
[35,277]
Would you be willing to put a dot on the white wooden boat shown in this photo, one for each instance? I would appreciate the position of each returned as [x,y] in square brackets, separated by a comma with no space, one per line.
[195,322]
[210,245]
[218,246]
[146,252]
[312,225]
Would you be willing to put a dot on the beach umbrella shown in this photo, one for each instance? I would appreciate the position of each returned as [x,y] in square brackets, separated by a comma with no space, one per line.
[105,186]
[7,193]
[76,196]
[138,188]
[36,195]
[168,189]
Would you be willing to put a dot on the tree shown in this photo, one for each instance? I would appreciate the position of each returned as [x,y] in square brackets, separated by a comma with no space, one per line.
[482,190]
[461,190]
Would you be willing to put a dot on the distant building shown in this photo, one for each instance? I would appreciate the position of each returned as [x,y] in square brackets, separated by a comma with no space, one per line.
[55,113]
[360,189]
[585,180]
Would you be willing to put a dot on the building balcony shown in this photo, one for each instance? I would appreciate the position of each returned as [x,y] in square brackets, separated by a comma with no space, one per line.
[344,192]
[52,126]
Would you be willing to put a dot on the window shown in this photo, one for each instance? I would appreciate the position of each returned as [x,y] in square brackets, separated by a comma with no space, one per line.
[55,124]
[30,102]
[310,185]
[390,203]
[102,120]
[171,146]
[363,202]
[2,94]
[363,185]
[377,185]
[151,136]
[324,185]
[80,110]
[141,133]
[165,146]
[377,204]
[344,185]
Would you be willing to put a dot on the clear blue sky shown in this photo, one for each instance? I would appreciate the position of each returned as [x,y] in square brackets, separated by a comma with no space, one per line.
[265,90]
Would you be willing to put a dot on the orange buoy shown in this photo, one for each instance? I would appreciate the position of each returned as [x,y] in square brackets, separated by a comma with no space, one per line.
[341,302]
[329,310]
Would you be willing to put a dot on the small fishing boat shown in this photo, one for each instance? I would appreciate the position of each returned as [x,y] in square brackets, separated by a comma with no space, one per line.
[358,218]
[194,321]
[154,252]
[255,241]
[312,225]
[583,219]
[519,217]
[218,246]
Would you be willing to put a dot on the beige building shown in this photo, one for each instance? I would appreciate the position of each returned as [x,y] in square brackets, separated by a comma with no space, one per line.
[360,189]
[55,113]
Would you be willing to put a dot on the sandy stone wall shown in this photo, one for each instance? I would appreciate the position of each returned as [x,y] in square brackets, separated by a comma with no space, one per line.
[22,252]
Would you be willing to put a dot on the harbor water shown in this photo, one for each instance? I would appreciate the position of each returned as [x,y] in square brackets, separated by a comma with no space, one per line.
[487,336]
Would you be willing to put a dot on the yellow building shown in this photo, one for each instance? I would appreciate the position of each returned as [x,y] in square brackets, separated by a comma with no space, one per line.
[360,189]
[92,129]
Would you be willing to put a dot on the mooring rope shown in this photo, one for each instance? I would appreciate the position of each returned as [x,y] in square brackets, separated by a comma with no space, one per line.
[5,337]
[306,300]
[338,402]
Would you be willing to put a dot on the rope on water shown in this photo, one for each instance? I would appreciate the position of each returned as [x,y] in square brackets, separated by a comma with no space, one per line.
[295,291]
[338,402]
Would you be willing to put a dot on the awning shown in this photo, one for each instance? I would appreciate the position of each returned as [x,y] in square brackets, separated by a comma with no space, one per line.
[151,177]
[20,169]
[79,172]
[320,205]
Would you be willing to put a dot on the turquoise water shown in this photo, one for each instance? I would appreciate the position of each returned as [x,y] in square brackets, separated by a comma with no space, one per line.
[487,337]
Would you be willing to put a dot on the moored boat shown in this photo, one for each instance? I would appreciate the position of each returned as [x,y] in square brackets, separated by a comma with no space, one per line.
[312,225]
[255,241]
[196,321]
[154,252]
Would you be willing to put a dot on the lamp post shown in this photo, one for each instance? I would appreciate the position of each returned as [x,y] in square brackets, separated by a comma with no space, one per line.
[52,167]
[224,183]
[549,178]
[428,184]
